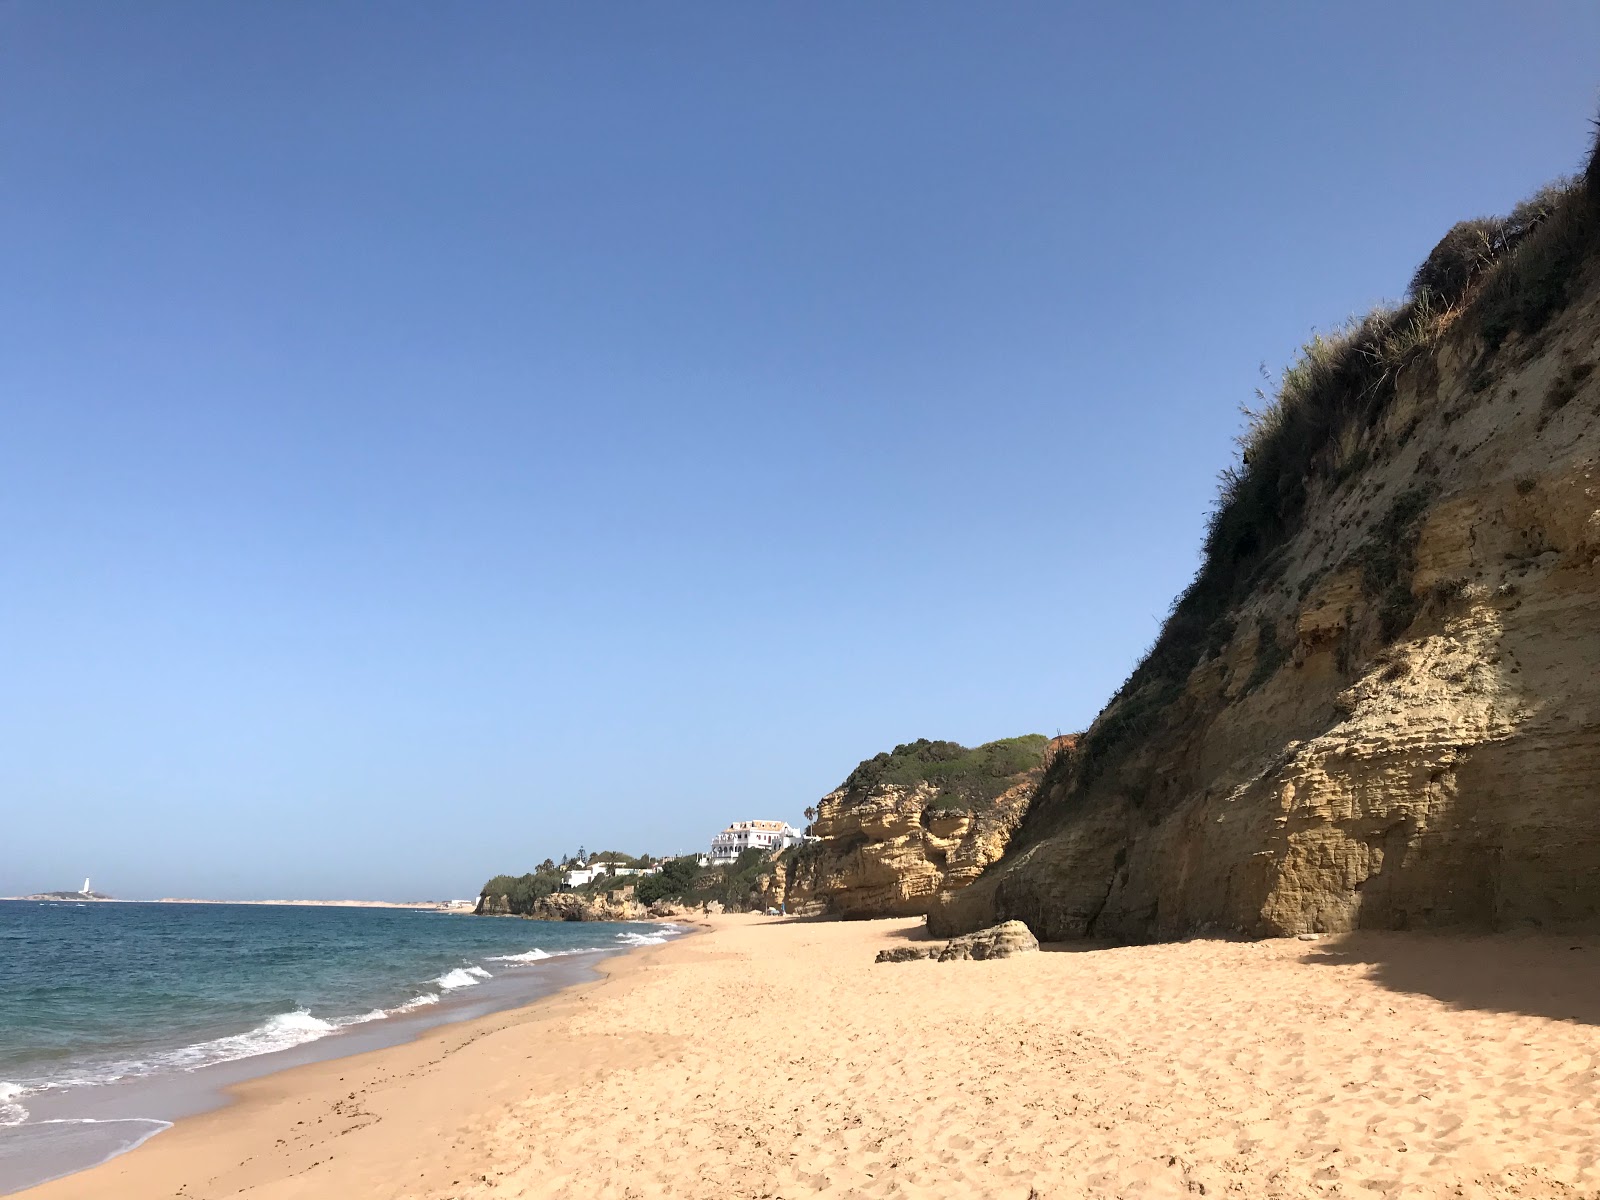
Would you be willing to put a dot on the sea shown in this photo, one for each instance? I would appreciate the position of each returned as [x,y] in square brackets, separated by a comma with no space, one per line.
[118,1018]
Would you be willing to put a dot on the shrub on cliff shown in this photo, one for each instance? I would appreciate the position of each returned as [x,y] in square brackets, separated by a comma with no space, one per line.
[1461,255]
[966,778]
[732,884]
[1525,288]
[523,891]
[674,879]
[1503,275]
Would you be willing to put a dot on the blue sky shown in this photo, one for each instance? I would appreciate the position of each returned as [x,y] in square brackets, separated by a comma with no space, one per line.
[439,435]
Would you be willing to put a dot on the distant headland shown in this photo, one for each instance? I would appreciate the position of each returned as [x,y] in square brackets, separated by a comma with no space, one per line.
[87,894]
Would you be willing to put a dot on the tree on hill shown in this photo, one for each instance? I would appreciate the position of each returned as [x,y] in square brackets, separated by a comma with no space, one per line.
[676,877]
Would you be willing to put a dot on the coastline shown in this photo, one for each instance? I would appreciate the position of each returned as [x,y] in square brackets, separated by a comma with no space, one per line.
[771,1057]
[416,905]
[79,1129]
[261,1121]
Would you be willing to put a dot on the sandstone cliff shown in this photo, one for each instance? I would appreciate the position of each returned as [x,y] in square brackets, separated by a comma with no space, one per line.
[571,906]
[1379,704]
[906,825]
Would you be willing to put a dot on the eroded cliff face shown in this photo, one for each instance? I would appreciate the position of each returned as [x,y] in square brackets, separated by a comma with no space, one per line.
[1400,724]
[887,848]
[572,906]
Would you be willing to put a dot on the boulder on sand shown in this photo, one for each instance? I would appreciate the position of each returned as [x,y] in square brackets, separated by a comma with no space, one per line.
[998,941]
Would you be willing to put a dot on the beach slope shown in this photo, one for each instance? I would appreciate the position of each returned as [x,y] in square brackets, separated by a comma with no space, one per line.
[776,1059]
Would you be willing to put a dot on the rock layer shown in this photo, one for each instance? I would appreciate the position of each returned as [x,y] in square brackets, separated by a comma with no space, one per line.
[573,906]
[1001,941]
[886,849]
[1428,755]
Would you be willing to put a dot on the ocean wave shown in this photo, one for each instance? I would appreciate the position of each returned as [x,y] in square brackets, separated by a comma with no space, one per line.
[461,977]
[662,933]
[533,955]
[282,1032]
[11,1112]
[642,939]
[418,1002]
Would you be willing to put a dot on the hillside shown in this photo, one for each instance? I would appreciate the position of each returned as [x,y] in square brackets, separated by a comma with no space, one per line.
[906,824]
[1377,704]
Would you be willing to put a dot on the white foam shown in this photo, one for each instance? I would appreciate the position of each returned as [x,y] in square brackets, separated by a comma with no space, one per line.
[533,955]
[278,1033]
[662,933]
[641,939]
[11,1112]
[418,1002]
[376,1014]
[461,977]
[281,1032]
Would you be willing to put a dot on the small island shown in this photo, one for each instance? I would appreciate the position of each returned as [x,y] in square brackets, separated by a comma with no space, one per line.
[83,893]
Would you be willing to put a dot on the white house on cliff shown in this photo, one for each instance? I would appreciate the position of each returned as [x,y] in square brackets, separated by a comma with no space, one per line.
[753,835]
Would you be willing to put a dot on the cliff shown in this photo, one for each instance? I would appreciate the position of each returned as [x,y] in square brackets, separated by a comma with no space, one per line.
[928,817]
[1378,706]
[570,906]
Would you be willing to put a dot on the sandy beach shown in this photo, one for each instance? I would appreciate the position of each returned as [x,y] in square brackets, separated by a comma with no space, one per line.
[775,1059]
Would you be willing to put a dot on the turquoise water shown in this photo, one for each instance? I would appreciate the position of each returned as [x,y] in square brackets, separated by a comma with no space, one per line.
[96,993]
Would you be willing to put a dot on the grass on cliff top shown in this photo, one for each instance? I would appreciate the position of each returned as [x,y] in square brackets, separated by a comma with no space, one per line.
[966,778]
[1501,276]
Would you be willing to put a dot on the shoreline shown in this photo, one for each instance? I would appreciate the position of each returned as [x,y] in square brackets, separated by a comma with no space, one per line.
[258,1113]
[81,1130]
[771,1057]
[416,905]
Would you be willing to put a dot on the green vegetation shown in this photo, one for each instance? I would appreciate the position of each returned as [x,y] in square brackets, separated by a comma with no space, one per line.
[1524,289]
[677,876]
[680,879]
[1500,276]
[733,883]
[523,891]
[618,859]
[683,879]
[966,779]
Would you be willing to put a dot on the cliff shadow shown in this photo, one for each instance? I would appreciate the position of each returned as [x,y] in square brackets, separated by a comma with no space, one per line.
[1538,974]
[913,933]
[1080,946]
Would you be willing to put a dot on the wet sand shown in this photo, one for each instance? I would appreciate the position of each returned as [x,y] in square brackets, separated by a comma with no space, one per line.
[775,1059]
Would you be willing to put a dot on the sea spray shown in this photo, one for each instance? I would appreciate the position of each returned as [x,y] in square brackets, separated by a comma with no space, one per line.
[526,956]
[462,977]
[11,1110]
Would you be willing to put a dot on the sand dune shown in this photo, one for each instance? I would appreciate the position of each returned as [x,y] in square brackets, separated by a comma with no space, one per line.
[777,1060]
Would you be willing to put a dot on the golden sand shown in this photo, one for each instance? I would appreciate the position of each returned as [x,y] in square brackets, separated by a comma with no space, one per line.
[775,1059]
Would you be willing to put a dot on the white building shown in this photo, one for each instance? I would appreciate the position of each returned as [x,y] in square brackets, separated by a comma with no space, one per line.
[586,873]
[753,835]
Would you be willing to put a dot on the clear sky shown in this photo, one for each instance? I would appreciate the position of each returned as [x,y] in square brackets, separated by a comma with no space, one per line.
[433,436]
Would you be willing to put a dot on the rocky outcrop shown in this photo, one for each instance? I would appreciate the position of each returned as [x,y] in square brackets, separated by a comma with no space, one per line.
[1397,721]
[573,906]
[907,954]
[1001,941]
[888,846]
